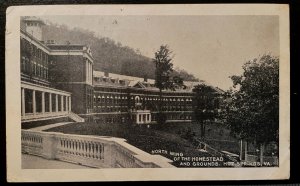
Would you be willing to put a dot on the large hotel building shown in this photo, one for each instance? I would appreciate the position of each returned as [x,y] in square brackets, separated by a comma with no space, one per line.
[58,81]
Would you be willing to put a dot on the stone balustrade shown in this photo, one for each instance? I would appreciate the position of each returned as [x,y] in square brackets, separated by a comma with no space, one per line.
[93,151]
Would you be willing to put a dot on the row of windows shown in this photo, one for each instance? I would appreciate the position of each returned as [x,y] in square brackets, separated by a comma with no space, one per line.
[122,119]
[110,102]
[32,24]
[33,52]
[168,99]
[178,117]
[148,98]
[164,102]
[110,109]
[109,99]
[124,108]
[149,105]
[34,61]
[32,68]
[155,94]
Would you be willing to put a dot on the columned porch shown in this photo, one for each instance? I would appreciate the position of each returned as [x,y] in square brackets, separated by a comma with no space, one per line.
[39,102]
[141,116]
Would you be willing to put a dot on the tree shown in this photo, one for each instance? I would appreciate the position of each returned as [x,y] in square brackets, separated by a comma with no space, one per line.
[163,80]
[204,105]
[253,112]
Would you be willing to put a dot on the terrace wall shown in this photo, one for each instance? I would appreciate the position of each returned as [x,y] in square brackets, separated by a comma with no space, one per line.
[93,151]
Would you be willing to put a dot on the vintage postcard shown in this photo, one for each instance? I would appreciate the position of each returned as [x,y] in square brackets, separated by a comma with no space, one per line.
[147,92]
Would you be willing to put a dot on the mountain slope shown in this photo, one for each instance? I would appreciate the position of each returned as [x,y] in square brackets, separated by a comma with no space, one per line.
[109,55]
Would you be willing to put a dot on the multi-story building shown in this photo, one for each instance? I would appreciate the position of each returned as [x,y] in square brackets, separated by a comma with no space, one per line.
[58,78]
[53,76]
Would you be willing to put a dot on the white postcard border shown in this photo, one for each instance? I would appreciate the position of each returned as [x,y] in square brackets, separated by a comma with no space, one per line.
[16,174]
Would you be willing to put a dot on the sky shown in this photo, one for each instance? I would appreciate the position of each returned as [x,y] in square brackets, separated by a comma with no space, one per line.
[210,47]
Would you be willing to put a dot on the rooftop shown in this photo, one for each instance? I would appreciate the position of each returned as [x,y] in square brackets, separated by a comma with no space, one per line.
[65,46]
[136,82]
[33,19]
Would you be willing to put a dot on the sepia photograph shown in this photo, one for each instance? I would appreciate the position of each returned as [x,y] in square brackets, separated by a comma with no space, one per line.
[118,90]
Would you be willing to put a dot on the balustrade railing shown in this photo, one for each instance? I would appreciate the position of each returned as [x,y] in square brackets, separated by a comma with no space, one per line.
[93,151]
[32,143]
[39,115]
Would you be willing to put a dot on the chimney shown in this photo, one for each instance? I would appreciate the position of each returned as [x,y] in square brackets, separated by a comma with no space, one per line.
[49,42]
[33,26]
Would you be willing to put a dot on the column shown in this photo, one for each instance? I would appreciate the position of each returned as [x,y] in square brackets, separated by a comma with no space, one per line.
[69,103]
[56,103]
[137,118]
[86,71]
[43,102]
[23,101]
[50,102]
[62,103]
[89,74]
[149,117]
[33,102]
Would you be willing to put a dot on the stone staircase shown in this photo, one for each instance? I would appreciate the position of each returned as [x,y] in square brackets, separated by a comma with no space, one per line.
[75,117]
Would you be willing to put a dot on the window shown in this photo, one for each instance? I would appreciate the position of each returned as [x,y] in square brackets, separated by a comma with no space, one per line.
[27,65]
[33,68]
[23,64]
[38,70]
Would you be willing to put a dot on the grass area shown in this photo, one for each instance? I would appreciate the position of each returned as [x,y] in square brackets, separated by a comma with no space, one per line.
[216,134]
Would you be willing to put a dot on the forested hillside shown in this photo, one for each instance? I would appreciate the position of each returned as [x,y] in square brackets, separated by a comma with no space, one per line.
[109,55]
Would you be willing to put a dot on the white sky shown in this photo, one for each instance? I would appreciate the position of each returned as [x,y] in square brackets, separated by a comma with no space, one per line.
[210,47]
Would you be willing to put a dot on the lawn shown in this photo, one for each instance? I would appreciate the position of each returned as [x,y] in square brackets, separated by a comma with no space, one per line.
[216,134]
